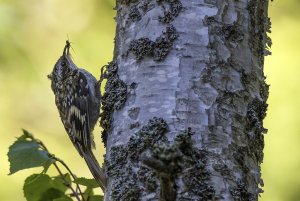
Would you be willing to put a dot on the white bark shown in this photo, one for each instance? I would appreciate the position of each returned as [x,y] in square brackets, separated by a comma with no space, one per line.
[199,70]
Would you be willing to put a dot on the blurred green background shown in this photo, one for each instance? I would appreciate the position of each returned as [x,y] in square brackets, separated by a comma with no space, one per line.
[32,36]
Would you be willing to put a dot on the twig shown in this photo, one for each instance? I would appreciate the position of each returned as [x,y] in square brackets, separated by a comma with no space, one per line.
[74,193]
[59,171]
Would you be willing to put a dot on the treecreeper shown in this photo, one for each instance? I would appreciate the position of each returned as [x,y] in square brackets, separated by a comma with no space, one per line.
[78,99]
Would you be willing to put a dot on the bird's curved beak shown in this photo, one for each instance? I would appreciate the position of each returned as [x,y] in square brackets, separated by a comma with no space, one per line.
[67,48]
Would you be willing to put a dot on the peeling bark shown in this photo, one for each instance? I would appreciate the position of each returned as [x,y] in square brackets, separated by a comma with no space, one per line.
[190,126]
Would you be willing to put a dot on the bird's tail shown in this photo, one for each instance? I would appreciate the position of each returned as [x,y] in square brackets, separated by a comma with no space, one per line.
[95,169]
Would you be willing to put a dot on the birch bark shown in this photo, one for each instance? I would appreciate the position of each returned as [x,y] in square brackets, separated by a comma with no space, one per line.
[185,100]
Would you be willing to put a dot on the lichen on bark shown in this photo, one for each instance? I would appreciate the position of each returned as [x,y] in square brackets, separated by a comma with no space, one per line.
[158,49]
[260,25]
[173,10]
[113,99]
[124,158]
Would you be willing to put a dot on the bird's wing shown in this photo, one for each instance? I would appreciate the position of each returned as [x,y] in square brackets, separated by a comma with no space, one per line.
[77,115]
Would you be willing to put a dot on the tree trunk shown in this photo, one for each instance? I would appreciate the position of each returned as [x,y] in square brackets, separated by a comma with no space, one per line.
[185,100]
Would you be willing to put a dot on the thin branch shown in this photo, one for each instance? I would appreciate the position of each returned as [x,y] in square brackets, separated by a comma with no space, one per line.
[71,173]
[59,171]
[75,194]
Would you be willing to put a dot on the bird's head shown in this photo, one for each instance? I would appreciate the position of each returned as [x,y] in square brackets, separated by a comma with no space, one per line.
[63,66]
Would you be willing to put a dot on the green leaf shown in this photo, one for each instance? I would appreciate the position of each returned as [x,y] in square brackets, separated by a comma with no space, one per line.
[90,183]
[24,154]
[65,198]
[26,135]
[96,198]
[40,187]
[51,194]
[47,164]
[88,193]
[68,178]
[61,183]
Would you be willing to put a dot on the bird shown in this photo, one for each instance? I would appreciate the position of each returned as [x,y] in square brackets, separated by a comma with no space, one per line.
[78,97]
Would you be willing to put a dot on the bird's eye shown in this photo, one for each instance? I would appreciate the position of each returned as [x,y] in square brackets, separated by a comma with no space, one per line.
[63,63]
